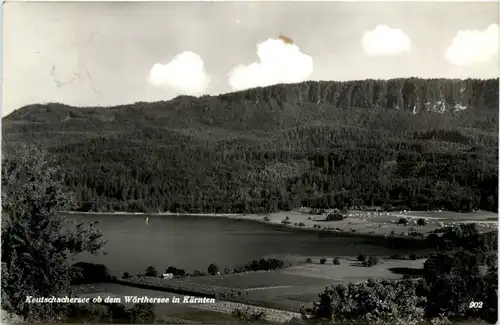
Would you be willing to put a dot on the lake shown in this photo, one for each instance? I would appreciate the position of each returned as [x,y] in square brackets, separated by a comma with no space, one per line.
[194,242]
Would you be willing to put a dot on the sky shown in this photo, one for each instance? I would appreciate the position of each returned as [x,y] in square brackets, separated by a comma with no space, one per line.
[112,53]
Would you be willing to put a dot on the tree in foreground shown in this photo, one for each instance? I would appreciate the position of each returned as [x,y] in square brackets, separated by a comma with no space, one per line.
[143,314]
[213,269]
[151,271]
[371,302]
[361,257]
[421,222]
[403,221]
[37,243]
[456,279]
[372,260]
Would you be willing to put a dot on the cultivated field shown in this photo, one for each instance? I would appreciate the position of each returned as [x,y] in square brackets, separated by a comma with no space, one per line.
[257,280]
[382,223]
[351,270]
[306,292]
[294,286]
[311,274]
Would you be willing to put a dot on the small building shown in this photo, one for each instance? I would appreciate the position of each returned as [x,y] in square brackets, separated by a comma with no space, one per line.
[167,276]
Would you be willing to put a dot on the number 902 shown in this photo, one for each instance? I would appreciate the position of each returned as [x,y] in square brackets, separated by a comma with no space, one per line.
[476,304]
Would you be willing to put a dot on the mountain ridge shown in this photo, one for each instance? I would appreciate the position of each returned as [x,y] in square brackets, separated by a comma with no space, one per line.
[401,92]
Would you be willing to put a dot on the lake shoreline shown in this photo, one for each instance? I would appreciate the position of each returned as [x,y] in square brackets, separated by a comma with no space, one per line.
[376,237]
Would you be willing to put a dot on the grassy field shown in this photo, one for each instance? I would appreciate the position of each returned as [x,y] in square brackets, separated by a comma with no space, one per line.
[351,270]
[454,216]
[253,280]
[383,223]
[311,274]
[348,271]
[204,316]
[296,285]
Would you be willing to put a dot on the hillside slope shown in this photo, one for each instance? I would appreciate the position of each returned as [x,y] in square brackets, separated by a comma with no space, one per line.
[415,143]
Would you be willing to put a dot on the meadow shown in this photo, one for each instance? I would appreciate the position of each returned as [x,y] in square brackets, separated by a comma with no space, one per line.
[380,223]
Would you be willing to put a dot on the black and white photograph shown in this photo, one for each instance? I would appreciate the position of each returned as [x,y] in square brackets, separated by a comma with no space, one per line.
[250,162]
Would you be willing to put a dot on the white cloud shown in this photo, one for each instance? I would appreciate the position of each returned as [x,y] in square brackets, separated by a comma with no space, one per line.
[185,74]
[385,41]
[279,62]
[472,46]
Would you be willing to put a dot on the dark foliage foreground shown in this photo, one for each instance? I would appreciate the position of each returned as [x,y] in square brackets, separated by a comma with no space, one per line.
[37,243]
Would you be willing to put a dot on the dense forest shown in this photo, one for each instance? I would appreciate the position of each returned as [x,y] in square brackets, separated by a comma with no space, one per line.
[413,143]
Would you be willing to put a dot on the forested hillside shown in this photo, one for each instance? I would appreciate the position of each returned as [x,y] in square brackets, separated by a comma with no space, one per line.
[415,143]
